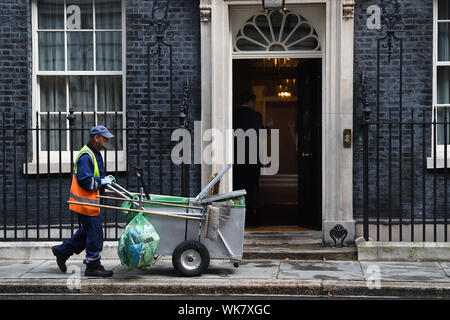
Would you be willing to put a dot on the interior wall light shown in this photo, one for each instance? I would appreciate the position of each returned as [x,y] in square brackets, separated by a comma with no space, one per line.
[269,5]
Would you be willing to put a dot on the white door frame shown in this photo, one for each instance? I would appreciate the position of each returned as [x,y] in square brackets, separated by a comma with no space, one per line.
[337,108]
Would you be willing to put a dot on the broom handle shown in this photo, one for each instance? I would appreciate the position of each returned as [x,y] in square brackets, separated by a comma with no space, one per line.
[133,210]
[155,202]
[208,212]
[156,195]
[110,187]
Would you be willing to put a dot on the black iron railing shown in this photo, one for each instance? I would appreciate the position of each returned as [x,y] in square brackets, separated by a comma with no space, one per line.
[37,164]
[405,178]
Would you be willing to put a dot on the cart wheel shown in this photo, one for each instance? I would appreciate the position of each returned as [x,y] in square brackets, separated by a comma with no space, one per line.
[191,258]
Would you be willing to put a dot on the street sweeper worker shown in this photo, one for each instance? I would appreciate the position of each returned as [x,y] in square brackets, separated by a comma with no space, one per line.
[88,181]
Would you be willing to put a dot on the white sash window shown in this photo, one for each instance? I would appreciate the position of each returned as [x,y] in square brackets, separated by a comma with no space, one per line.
[78,64]
[441,96]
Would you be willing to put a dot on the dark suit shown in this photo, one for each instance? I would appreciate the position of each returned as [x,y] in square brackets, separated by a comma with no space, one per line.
[245,176]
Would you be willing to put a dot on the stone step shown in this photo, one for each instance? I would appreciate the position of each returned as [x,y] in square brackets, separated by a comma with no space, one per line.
[290,234]
[283,242]
[303,245]
[303,252]
[291,238]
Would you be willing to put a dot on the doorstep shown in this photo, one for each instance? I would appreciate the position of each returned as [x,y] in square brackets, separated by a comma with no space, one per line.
[294,245]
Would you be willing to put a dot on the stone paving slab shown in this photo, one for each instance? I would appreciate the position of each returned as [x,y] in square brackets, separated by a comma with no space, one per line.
[163,269]
[296,277]
[446,267]
[250,269]
[218,269]
[49,269]
[257,270]
[15,268]
[329,270]
[406,271]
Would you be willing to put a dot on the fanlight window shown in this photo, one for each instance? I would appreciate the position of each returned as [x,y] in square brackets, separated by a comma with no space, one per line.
[275,31]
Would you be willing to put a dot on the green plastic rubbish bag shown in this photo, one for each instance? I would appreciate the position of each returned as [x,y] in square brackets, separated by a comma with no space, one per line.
[138,243]
[130,205]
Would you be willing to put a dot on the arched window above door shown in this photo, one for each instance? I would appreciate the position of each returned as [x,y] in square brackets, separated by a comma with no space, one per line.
[275,31]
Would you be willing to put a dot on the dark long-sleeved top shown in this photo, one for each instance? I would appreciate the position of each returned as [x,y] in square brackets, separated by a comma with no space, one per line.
[85,171]
[246,118]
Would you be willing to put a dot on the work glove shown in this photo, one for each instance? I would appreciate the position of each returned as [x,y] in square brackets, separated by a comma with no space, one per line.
[107,180]
[112,178]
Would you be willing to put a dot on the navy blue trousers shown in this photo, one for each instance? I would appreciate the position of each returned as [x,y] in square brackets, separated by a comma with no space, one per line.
[89,237]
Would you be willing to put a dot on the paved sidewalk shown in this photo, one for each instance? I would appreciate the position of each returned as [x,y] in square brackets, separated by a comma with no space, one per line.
[289,277]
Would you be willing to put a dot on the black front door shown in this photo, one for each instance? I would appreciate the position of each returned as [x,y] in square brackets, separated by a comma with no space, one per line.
[309,143]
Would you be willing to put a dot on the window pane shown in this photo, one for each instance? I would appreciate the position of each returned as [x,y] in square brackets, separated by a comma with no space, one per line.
[114,125]
[276,20]
[290,25]
[443,41]
[79,14]
[53,93]
[443,115]
[50,14]
[56,137]
[51,51]
[108,14]
[109,93]
[263,23]
[443,85]
[109,51]
[251,32]
[81,133]
[80,51]
[81,97]
[444,10]
[246,45]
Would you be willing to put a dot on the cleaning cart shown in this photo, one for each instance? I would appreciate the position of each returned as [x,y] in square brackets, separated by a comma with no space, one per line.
[192,230]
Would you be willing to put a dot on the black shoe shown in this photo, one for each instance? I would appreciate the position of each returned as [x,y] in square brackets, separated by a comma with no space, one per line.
[98,272]
[59,259]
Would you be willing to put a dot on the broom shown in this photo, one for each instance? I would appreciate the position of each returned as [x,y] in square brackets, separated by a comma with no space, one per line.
[216,213]
[212,223]
[224,210]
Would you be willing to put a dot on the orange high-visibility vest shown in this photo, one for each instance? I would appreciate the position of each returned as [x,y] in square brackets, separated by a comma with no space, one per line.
[79,194]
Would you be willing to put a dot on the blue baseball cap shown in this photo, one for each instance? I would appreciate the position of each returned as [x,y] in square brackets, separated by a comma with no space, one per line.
[102,131]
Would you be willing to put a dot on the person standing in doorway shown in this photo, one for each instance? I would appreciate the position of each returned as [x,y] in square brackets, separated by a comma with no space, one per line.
[88,181]
[246,175]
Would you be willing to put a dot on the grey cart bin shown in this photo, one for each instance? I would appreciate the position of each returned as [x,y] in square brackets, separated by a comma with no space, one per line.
[185,239]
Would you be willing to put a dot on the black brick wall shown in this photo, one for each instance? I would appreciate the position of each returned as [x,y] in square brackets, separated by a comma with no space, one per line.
[183,37]
[15,54]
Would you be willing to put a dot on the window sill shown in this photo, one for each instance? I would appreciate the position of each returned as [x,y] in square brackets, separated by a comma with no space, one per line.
[65,167]
[440,162]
